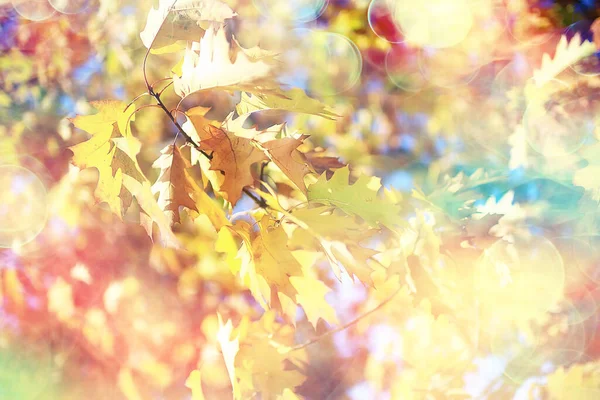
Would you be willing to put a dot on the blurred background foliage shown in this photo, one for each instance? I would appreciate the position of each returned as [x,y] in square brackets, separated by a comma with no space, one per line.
[91,309]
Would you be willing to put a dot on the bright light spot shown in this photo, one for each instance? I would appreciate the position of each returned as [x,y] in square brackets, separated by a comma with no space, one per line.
[434,23]
[23,206]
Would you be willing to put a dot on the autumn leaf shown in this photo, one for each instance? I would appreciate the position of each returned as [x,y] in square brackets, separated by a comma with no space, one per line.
[101,151]
[113,151]
[337,235]
[359,199]
[567,54]
[270,264]
[577,381]
[229,347]
[214,63]
[295,100]
[323,163]
[176,20]
[256,365]
[353,258]
[234,156]
[311,296]
[284,153]
[174,184]
[151,212]
[329,224]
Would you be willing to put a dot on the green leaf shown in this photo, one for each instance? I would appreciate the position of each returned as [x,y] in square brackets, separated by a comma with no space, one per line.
[359,199]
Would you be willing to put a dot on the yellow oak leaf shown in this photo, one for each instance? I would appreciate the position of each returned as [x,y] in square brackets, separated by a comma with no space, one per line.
[359,199]
[338,236]
[151,212]
[255,360]
[353,258]
[229,348]
[177,188]
[102,152]
[272,259]
[234,156]
[311,296]
[215,63]
[294,99]
[113,151]
[174,184]
[267,265]
[227,245]
[329,224]
[176,20]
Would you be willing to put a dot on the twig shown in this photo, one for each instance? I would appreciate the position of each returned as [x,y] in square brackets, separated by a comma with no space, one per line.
[135,112]
[134,100]
[262,173]
[188,138]
[257,199]
[165,88]
[346,326]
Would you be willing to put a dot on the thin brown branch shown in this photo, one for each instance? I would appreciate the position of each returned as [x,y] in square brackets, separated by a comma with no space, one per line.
[166,87]
[136,110]
[144,70]
[187,137]
[135,99]
[347,325]
[259,200]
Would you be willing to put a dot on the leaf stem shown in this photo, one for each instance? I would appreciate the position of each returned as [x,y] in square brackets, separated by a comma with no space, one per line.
[257,199]
[187,137]
[347,325]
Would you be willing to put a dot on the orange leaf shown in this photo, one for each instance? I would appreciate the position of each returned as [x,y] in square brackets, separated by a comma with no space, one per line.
[234,156]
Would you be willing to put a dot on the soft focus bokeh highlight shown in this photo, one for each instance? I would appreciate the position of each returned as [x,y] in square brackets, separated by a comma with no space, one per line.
[457,254]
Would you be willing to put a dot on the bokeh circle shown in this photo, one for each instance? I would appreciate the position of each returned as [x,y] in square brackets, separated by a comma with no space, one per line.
[33,10]
[519,281]
[23,205]
[557,125]
[322,62]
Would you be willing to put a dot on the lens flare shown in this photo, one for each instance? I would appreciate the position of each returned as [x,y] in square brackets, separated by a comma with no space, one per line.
[521,280]
[34,10]
[434,23]
[23,205]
